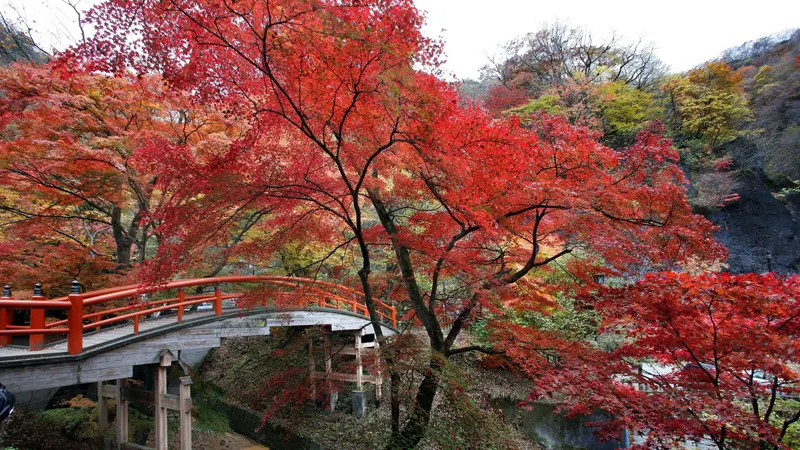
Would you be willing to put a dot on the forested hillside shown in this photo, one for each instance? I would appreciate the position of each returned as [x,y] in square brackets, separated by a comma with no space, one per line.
[734,120]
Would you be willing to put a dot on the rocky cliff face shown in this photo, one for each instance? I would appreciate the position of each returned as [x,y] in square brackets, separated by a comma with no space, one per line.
[761,232]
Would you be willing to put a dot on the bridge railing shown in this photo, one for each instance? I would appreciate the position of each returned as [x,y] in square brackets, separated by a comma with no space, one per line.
[95,309]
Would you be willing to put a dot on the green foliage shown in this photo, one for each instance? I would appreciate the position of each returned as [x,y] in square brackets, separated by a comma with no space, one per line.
[549,103]
[73,421]
[781,153]
[762,78]
[209,420]
[785,409]
[565,319]
[709,103]
[617,109]
[624,109]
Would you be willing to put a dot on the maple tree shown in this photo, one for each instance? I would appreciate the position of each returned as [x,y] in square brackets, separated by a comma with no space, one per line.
[728,342]
[352,146]
[714,350]
[65,166]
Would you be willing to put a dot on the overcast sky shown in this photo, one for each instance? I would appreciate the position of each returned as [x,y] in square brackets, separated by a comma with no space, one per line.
[685,32]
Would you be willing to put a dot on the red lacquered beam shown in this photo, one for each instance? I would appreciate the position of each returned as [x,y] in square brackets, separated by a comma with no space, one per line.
[28,331]
[33,304]
[139,313]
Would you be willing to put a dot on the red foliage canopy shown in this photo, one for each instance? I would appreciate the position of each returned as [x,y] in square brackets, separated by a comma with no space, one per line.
[351,144]
[69,194]
[700,357]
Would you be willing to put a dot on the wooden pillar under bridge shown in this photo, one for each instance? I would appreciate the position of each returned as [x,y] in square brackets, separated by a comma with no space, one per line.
[312,369]
[332,396]
[358,395]
[106,392]
[122,413]
[165,360]
[357,349]
[102,409]
[185,411]
[359,365]
[124,394]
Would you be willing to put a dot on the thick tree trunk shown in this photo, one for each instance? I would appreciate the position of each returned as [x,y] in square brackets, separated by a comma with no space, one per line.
[123,238]
[123,254]
[420,415]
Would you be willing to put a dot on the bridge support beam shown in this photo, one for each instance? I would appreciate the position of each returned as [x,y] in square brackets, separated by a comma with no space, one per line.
[312,369]
[122,413]
[162,401]
[358,394]
[160,394]
[106,392]
[332,396]
[102,409]
[358,349]
[185,410]
[379,381]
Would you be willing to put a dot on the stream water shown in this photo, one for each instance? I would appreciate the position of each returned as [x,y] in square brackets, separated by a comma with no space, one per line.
[554,431]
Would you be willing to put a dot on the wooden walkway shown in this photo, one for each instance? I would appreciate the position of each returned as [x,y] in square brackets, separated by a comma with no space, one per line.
[105,336]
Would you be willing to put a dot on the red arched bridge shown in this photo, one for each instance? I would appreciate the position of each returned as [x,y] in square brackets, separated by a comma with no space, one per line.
[101,310]
[110,331]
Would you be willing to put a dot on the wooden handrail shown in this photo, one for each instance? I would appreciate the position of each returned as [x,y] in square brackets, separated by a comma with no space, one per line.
[145,312]
[33,304]
[28,331]
[326,295]
[130,307]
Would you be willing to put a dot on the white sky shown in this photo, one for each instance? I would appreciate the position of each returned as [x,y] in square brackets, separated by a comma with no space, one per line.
[685,32]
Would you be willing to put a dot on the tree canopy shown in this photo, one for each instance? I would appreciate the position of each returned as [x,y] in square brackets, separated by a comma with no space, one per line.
[315,133]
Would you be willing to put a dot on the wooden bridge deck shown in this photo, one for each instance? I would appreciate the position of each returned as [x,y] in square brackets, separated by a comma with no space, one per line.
[105,336]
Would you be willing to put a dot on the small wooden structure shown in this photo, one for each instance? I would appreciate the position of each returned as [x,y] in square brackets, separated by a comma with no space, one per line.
[125,394]
[358,350]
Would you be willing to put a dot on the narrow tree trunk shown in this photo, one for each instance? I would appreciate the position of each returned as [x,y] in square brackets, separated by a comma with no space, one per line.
[394,398]
[143,244]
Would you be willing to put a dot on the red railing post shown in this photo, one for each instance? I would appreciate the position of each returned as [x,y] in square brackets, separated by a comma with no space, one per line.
[217,301]
[36,341]
[75,320]
[180,304]
[5,316]
[394,317]
[136,318]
